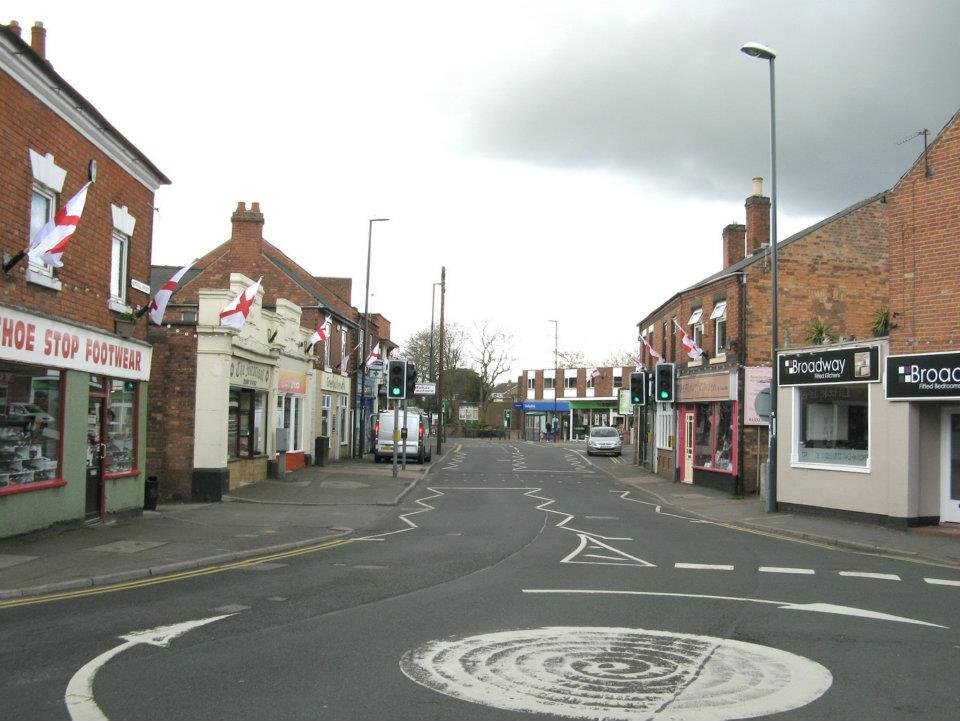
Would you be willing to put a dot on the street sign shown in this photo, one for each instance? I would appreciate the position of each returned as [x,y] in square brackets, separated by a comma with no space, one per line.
[425,389]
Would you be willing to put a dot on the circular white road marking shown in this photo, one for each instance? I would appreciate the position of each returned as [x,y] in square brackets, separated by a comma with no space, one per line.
[618,673]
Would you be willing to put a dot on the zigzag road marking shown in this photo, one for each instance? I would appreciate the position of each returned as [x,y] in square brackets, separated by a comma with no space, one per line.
[659,509]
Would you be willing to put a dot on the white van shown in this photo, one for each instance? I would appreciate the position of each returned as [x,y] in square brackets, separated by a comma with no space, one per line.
[417,443]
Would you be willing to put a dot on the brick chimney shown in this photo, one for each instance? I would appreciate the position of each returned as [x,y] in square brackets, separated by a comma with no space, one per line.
[758,218]
[38,39]
[734,243]
[247,228]
[14,26]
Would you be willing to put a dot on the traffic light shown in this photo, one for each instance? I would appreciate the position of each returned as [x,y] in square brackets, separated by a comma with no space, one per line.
[663,385]
[397,379]
[411,382]
[638,388]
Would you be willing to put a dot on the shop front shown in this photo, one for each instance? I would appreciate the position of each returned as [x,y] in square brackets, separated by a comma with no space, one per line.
[293,411]
[72,422]
[708,428]
[590,412]
[541,416]
[333,408]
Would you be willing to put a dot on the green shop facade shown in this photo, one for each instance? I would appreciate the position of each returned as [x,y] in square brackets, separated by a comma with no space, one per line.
[72,422]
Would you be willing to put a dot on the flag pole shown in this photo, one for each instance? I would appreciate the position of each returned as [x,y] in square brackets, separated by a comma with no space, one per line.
[8,266]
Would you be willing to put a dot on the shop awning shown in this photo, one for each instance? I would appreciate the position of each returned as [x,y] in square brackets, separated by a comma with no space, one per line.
[594,403]
[543,406]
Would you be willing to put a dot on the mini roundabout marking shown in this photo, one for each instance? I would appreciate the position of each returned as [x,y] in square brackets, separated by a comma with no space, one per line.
[617,673]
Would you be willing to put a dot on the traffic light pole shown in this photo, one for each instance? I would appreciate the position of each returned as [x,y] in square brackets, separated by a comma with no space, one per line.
[403,434]
[396,435]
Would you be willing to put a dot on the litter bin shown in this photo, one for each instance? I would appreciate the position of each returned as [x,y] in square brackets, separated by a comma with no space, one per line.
[151,493]
[321,449]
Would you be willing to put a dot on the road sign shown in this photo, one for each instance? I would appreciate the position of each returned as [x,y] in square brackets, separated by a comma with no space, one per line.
[425,389]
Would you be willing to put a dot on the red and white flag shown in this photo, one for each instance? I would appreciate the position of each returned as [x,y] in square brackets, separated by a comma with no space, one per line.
[321,333]
[374,355]
[689,344]
[51,240]
[159,303]
[343,361]
[594,373]
[650,350]
[234,313]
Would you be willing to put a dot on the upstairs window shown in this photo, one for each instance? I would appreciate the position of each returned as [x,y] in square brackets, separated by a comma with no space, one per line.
[570,382]
[531,383]
[48,180]
[118,267]
[719,316]
[548,383]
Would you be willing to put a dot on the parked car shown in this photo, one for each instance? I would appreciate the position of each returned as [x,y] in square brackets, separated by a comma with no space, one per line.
[417,443]
[27,414]
[604,440]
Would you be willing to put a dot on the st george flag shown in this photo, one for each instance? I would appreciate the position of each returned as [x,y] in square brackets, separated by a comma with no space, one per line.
[159,303]
[321,333]
[374,355]
[234,313]
[594,373]
[689,344]
[50,242]
[650,350]
[343,361]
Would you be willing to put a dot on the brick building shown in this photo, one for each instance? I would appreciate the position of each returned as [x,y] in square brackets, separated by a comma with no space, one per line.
[271,379]
[833,273]
[882,442]
[72,388]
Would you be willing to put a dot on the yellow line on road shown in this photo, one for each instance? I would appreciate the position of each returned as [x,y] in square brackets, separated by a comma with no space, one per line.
[169,578]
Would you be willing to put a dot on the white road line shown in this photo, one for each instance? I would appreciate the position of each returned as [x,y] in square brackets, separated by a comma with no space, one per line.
[779,569]
[942,582]
[704,566]
[862,574]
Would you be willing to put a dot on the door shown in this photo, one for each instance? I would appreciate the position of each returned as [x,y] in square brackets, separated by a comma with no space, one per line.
[96,450]
[950,466]
[688,448]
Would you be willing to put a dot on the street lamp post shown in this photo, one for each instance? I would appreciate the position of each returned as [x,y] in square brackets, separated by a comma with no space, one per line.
[433,301]
[362,357]
[556,335]
[756,50]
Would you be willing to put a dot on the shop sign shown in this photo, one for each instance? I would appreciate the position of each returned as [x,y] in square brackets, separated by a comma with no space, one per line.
[708,387]
[837,365]
[26,338]
[334,382]
[291,382]
[756,395]
[924,376]
[245,373]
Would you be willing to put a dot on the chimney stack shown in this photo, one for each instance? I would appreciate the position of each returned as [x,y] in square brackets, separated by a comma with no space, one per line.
[248,226]
[38,39]
[14,26]
[758,218]
[734,243]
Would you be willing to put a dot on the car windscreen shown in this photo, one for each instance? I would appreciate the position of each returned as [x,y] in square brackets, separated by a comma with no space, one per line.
[603,432]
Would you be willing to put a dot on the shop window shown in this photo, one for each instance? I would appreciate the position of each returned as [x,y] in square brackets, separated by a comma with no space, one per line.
[121,427]
[290,417]
[664,427]
[30,418]
[342,432]
[832,427]
[246,423]
[713,436]
[325,417]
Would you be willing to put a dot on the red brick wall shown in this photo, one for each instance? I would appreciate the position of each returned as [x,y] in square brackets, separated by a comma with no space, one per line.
[923,226]
[26,123]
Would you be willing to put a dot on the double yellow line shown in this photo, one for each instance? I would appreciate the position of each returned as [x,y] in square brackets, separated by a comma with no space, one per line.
[169,578]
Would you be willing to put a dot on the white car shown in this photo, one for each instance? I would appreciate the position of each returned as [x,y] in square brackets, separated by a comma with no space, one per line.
[604,440]
[417,443]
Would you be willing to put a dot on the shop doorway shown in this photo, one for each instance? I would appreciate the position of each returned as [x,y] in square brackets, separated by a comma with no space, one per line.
[688,447]
[96,451]
[950,466]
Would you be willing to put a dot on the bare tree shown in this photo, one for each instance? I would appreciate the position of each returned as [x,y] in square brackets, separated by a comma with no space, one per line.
[417,349]
[621,358]
[491,354]
[571,359]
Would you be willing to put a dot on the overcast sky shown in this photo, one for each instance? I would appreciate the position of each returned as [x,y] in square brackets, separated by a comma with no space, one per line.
[564,160]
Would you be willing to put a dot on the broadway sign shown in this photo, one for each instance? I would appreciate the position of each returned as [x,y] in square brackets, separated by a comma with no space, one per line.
[925,376]
[836,365]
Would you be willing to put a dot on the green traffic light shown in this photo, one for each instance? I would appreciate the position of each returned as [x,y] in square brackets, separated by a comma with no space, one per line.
[664,394]
[395,391]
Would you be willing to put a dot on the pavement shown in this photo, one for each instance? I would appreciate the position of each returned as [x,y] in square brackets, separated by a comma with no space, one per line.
[318,505]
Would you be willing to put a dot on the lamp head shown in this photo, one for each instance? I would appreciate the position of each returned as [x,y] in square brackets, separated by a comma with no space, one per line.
[756,50]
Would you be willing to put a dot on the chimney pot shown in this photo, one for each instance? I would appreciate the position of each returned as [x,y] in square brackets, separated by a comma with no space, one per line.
[758,187]
[758,218]
[38,39]
[14,27]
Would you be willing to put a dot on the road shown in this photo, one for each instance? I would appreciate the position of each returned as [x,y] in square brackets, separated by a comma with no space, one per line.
[519,581]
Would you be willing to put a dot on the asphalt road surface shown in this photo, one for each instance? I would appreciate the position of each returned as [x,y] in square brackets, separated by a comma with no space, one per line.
[518,581]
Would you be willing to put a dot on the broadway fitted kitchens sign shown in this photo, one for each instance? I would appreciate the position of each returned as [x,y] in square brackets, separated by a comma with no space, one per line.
[925,376]
[837,365]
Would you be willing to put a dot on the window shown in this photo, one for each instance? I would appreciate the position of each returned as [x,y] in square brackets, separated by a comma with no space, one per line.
[832,427]
[695,316]
[246,423]
[326,351]
[548,383]
[343,350]
[618,381]
[698,334]
[664,426]
[48,179]
[290,417]
[343,409]
[43,206]
[118,267]
[719,316]
[570,382]
[531,383]
[325,417]
[121,447]
[30,450]
[713,436]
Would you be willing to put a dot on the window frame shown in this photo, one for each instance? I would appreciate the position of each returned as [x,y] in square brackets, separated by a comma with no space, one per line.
[258,436]
[118,237]
[799,419]
[53,198]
